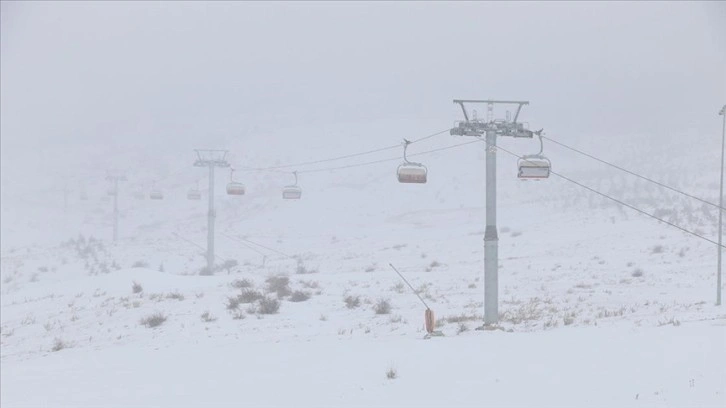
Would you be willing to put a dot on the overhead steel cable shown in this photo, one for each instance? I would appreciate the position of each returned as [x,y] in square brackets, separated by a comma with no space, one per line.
[250,247]
[259,245]
[632,207]
[386,160]
[633,173]
[347,156]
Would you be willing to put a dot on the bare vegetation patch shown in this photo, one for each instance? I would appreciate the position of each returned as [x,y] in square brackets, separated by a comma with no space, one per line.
[268,305]
[351,302]
[299,296]
[382,307]
[136,287]
[154,320]
[310,284]
[175,296]
[303,270]
[140,264]
[637,273]
[279,285]
[241,283]
[207,317]
[391,374]
[59,344]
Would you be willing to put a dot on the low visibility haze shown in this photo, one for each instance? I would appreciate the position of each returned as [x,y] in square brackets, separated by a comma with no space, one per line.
[301,293]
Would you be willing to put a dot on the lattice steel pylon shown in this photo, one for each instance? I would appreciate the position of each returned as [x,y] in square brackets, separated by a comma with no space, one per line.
[211,158]
[115,176]
[491,128]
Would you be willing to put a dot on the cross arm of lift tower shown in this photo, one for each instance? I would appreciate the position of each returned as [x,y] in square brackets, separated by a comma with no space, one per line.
[211,157]
[472,126]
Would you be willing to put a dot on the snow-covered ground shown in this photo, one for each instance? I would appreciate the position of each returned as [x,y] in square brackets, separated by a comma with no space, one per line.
[599,306]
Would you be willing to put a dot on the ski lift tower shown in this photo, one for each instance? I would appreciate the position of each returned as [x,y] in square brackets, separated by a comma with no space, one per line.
[211,159]
[115,177]
[491,129]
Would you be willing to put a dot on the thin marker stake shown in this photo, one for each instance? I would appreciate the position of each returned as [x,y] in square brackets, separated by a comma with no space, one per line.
[409,285]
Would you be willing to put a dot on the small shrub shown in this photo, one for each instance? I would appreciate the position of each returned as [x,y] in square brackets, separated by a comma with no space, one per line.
[382,307]
[241,284]
[462,328]
[233,303]
[658,249]
[279,285]
[637,273]
[370,268]
[351,302]
[140,264]
[310,284]
[59,345]
[155,320]
[206,271]
[268,306]
[136,287]
[434,264]
[299,296]
[228,265]
[302,270]
[238,315]
[175,295]
[207,317]
[249,296]
[391,374]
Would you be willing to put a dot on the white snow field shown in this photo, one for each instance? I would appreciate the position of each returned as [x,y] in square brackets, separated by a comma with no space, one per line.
[599,306]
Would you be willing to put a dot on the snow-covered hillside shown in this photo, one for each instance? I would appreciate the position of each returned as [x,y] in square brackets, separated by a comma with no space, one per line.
[599,305]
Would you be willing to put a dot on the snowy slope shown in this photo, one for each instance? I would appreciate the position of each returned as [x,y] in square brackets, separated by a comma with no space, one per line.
[599,305]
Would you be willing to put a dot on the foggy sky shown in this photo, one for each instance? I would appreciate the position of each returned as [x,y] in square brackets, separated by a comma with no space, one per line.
[136,73]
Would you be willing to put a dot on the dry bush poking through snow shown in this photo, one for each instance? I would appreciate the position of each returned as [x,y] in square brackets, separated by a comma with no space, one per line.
[207,317]
[136,287]
[233,303]
[391,374]
[351,302]
[155,320]
[140,264]
[59,345]
[175,295]
[299,296]
[382,307]
[241,283]
[637,273]
[268,306]
[249,296]
[658,249]
[279,285]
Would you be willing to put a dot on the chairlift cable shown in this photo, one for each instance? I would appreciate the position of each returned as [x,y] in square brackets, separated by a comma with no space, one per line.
[347,156]
[386,160]
[633,173]
[632,207]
